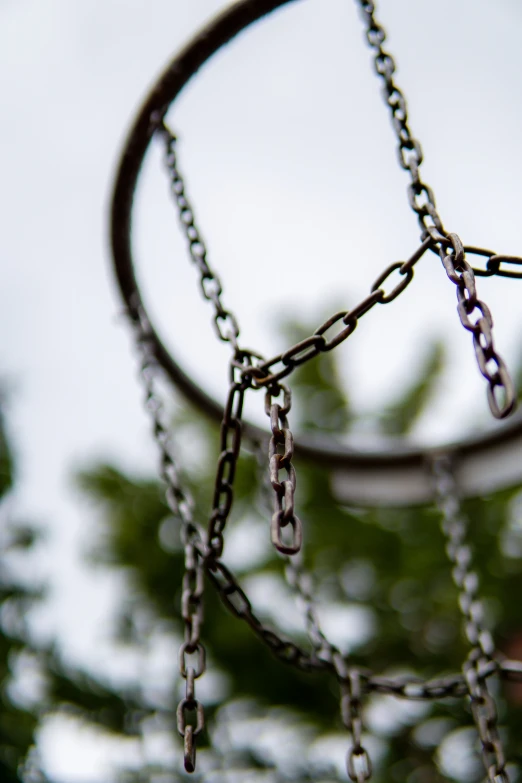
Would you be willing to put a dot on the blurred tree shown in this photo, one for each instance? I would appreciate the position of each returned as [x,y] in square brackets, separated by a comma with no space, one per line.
[18,716]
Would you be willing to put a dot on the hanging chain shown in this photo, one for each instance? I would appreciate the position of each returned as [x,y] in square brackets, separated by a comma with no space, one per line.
[491,365]
[358,762]
[482,651]
[422,201]
[300,580]
[296,576]
[318,342]
[420,195]
[230,444]
[280,453]
[190,714]
[225,323]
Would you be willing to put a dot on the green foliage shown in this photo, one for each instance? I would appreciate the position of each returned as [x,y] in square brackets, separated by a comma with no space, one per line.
[6,461]
[17,723]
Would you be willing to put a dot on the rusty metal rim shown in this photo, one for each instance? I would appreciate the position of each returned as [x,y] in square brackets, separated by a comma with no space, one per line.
[182,68]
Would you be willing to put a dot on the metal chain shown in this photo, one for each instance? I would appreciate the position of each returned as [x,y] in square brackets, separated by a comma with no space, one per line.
[192,664]
[420,195]
[494,263]
[225,323]
[318,342]
[480,657]
[300,580]
[491,365]
[230,444]
[422,201]
[358,762]
[296,576]
[280,453]
[237,602]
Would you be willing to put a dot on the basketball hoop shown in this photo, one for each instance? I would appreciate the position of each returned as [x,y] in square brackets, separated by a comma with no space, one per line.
[400,475]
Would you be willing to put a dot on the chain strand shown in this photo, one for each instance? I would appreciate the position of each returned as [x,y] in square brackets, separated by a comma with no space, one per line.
[358,762]
[280,453]
[190,713]
[482,648]
[420,195]
[319,342]
[491,365]
[225,322]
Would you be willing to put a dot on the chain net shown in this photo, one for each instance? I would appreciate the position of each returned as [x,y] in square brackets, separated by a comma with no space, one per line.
[250,372]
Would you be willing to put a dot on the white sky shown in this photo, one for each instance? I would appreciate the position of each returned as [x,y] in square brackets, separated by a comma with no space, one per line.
[290,160]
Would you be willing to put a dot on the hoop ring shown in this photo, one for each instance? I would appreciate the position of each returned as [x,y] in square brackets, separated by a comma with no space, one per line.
[397,475]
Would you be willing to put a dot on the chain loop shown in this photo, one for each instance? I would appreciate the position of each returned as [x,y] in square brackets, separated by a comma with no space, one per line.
[358,762]
[490,364]
[280,454]
[230,444]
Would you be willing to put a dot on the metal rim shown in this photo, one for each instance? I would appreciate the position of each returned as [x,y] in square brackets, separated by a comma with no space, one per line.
[387,474]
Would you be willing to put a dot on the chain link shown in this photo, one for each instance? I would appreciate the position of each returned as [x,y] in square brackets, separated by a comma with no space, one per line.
[280,453]
[230,444]
[236,600]
[296,576]
[190,713]
[318,342]
[491,365]
[480,657]
[420,195]
[300,580]
[225,323]
[358,762]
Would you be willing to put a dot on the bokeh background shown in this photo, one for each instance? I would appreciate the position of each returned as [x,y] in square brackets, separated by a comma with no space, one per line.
[290,160]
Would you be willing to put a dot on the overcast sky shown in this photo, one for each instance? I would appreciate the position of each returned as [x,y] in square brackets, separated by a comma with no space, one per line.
[290,161]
